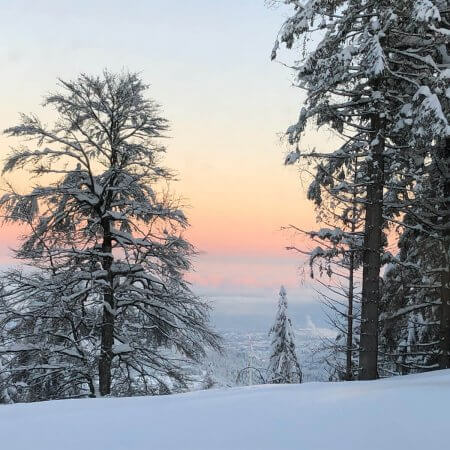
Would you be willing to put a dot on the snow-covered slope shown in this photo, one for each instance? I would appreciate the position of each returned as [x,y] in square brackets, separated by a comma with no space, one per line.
[401,413]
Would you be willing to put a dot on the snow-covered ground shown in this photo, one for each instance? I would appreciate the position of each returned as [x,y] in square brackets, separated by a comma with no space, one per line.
[408,413]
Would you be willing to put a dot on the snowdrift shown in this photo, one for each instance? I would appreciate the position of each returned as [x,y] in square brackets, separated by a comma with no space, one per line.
[400,413]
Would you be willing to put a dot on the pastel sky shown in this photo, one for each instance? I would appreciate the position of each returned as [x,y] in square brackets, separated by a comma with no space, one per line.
[208,64]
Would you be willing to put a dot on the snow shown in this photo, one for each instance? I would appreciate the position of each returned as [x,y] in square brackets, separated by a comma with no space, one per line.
[376,62]
[408,412]
[292,157]
[121,348]
[425,11]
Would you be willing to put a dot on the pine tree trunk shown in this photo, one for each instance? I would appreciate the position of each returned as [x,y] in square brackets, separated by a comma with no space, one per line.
[368,353]
[351,284]
[107,338]
[444,322]
[349,366]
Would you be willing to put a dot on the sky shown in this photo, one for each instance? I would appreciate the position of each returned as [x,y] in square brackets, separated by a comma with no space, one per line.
[208,65]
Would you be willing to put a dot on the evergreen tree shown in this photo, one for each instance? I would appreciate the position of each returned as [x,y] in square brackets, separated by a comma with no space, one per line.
[376,76]
[283,365]
[411,304]
[337,255]
[105,308]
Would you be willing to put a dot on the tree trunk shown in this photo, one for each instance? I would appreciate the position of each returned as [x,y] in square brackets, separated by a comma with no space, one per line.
[351,283]
[107,338]
[444,320]
[368,353]
[349,365]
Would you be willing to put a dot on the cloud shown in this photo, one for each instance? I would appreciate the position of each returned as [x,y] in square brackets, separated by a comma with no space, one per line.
[243,270]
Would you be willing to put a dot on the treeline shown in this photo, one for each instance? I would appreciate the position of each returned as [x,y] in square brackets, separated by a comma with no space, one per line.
[376,73]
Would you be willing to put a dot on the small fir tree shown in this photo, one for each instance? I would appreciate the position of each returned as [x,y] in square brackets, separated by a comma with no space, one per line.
[283,366]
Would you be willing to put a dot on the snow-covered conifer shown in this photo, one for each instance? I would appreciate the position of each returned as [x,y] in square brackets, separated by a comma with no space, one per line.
[374,75]
[336,254]
[283,365]
[411,306]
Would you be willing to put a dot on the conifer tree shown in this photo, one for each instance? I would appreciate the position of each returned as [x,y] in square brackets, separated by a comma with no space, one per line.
[283,365]
[409,320]
[375,74]
[412,330]
[336,255]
